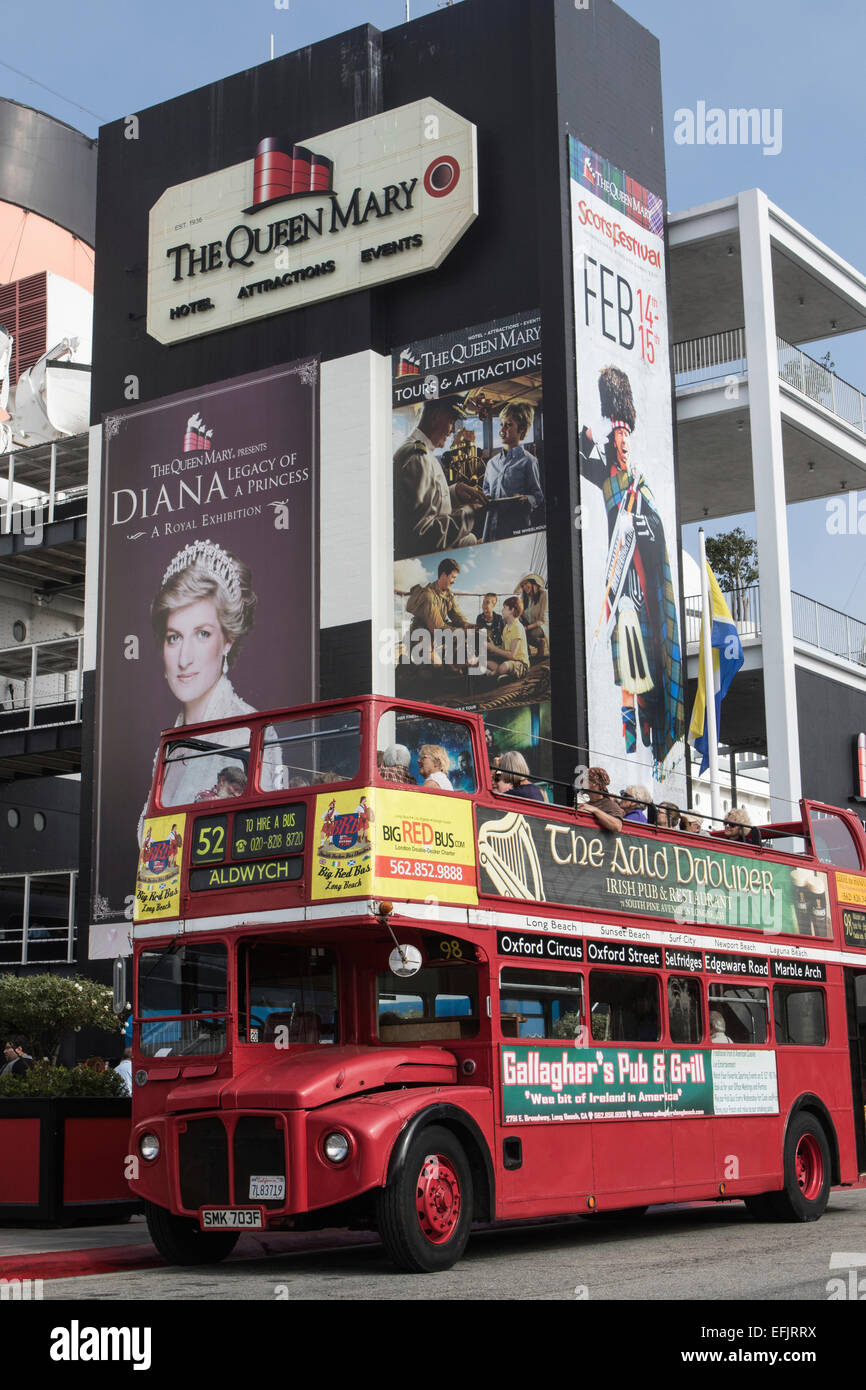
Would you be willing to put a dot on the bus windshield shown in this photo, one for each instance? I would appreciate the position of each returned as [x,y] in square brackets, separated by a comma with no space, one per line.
[182,1000]
[288,994]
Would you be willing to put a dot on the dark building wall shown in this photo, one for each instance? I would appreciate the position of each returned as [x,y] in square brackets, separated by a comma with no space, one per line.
[23,848]
[827,744]
[49,168]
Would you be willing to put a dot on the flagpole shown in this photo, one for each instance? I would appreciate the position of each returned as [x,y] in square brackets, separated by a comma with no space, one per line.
[709,683]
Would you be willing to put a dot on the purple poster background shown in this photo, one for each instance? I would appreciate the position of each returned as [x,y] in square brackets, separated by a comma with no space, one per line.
[234,463]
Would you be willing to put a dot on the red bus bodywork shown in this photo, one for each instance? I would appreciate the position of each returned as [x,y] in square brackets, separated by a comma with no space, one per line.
[226,1120]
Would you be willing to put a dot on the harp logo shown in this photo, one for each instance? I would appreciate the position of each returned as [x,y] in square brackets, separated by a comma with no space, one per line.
[507,853]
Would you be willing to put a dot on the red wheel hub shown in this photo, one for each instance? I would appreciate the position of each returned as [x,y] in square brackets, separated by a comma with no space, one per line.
[437,1199]
[809,1167]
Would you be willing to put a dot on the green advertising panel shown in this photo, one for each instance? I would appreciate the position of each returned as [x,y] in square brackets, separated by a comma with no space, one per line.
[555,1083]
[697,880]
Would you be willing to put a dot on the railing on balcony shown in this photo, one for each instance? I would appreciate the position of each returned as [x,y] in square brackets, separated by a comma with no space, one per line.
[710,358]
[816,381]
[815,623]
[41,683]
[745,606]
[829,629]
[720,355]
[37,918]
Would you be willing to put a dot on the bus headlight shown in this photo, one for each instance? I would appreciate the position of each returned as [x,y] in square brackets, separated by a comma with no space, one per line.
[148,1147]
[336,1147]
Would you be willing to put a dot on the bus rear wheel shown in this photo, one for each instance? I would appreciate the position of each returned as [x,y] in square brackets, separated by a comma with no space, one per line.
[425,1212]
[180,1240]
[807,1176]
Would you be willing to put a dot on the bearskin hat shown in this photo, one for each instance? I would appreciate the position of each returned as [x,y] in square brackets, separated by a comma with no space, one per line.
[617,402]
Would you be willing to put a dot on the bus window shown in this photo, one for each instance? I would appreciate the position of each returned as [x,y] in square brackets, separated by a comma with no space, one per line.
[288,994]
[834,843]
[684,1009]
[542,1004]
[182,1000]
[738,1014]
[624,1008]
[205,769]
[311,751]
[440,1002]
[800,1016]
[401,737]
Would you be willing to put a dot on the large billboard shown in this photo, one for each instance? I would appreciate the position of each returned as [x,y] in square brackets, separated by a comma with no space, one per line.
[634,660]
[302,221]
[208,584]
[471,585]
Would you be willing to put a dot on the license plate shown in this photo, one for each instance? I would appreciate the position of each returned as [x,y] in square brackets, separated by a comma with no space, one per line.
[268,1189]
[231,1218]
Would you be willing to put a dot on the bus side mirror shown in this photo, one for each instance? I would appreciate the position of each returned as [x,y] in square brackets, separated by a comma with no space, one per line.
[120,1001]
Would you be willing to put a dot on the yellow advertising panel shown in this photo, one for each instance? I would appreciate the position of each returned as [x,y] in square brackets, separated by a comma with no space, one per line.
[851,888]
[157,887]
[399,844]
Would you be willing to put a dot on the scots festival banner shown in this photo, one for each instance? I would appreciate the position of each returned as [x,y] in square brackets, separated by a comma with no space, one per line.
[634,658]
[394,843]
[208,591]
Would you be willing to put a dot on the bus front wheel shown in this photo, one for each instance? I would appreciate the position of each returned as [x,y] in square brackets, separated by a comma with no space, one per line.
[180,1240]
[424,1213]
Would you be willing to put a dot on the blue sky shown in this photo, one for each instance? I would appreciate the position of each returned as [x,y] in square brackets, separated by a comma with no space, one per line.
[104,60]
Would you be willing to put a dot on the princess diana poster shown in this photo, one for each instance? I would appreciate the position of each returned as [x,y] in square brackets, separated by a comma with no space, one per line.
[208,592]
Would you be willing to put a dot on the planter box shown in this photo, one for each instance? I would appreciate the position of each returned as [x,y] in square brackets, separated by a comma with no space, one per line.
[62,1160]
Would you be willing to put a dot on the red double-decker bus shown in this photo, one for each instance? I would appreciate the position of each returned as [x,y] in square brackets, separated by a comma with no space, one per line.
[373,990]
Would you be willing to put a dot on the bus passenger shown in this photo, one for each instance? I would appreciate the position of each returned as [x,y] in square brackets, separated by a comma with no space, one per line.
[691,823]
[668,815]
[512,778]
[434,764]
[738,825]
[395,765]
[717,1028]
[633,801]
[599,805]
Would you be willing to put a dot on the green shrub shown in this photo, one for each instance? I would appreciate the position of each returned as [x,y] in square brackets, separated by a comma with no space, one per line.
[44,1081]
[44,1007]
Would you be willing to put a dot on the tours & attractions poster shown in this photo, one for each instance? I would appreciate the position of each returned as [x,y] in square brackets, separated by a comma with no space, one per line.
[469,488]
[634,657]
[208,586]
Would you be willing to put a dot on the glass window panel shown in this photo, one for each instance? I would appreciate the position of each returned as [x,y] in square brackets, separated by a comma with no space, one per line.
[453,762]
[440,1002]
[684,1009]
[311,751]
[542,1004]
[738,1014]
[624,1007]
[211,768]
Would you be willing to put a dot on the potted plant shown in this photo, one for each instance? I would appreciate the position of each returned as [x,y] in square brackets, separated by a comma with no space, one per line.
[63,1130]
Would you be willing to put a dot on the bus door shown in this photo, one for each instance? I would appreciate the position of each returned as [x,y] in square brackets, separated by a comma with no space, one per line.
[855,1003]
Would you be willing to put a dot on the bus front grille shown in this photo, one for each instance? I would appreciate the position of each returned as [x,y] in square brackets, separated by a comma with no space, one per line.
[259,1150]
[203,1162]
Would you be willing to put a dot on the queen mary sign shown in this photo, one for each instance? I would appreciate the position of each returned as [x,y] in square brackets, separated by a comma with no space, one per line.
[299,222]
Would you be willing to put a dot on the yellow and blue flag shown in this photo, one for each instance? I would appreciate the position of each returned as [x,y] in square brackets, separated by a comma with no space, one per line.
[727,660]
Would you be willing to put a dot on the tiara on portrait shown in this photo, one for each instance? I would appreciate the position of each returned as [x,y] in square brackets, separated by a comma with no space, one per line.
[211,557]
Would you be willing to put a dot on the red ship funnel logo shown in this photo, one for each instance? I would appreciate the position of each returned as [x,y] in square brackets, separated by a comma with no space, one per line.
[288,171]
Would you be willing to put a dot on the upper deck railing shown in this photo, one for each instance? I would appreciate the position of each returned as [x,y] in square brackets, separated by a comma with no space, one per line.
[718,355]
